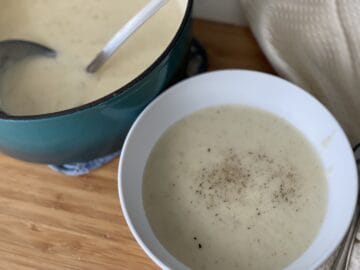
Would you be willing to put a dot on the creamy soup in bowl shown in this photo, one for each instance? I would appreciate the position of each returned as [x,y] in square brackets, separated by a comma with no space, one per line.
[231,187]
[237,170]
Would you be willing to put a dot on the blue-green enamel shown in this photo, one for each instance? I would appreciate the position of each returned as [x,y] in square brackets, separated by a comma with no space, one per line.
[96,129]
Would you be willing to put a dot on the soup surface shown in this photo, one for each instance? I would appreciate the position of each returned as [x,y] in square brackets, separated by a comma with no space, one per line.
[234,188]
[77,30]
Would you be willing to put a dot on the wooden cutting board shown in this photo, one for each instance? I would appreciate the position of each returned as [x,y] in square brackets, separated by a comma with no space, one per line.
[53,222]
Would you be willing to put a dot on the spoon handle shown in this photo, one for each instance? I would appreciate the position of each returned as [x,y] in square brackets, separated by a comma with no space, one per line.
[124,33]
[342,260]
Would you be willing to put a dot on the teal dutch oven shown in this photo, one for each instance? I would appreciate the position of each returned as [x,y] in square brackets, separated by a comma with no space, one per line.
[97,128]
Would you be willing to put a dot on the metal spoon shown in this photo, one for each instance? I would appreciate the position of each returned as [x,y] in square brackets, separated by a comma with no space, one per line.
[12,51]
[342,261]
[343,258]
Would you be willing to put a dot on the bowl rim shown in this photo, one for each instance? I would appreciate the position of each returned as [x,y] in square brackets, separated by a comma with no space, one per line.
[122,90]
[121,191]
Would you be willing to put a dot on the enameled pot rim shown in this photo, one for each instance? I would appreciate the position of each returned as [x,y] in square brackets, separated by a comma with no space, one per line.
[124,89]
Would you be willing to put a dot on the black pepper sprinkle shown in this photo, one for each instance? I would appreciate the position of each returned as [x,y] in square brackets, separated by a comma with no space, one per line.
[200,246]
[195,238]
[223,183]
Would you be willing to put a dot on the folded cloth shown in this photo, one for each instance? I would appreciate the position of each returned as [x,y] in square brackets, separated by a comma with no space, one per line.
[316,44]
[77,169]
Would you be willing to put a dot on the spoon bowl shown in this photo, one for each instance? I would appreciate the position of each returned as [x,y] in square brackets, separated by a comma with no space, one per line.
[12,51]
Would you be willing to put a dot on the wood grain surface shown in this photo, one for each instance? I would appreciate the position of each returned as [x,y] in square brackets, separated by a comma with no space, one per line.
[53,222]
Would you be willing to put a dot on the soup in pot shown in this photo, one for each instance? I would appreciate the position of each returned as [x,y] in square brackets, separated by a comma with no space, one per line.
[78,30]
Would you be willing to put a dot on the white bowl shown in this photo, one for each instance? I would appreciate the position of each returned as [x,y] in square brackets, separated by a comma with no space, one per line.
[261,91]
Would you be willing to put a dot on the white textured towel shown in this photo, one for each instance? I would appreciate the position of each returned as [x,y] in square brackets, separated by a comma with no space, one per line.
[315,44]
